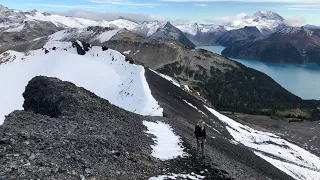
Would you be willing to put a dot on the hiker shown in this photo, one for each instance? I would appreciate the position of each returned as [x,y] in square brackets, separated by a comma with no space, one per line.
[200,132]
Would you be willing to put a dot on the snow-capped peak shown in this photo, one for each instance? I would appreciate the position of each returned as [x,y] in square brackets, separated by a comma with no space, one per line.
[269,15]
[150,27]
[267,22]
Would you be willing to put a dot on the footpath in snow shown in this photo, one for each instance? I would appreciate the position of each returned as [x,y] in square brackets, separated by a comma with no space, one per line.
[167,144]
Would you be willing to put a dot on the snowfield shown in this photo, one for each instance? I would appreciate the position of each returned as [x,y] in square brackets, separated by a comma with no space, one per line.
[191,176]
[106,73]
[289,158]
[83,33]
[72,22]
[167,144]
[106,36]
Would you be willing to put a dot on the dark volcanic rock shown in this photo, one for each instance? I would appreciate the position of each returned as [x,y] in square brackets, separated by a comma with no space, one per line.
[85,138]
[82,47]
[53,98]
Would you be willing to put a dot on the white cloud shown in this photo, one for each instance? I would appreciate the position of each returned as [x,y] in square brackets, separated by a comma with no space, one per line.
[225,20]
[201,5]
[295,21]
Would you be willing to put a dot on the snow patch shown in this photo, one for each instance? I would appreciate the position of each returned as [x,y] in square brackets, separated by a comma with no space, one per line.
[291,169]
[15,29]
[167,144]
[191,105]
[173,81]
[128,87]
[279,152]
[127,52]
[191,176]
[106,36]
[186,87]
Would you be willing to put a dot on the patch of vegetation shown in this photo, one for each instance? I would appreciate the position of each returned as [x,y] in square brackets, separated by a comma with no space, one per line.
[171,69]
[295,113]
[237,90]
[246,90]
[313,55]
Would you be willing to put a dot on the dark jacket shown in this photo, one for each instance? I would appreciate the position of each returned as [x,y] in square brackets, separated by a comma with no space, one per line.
[199,133]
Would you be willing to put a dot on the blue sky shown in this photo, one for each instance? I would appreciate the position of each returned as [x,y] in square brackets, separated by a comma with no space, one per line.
[307,11]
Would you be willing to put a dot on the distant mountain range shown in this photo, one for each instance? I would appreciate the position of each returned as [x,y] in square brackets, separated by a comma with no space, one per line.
[245,36]
[289,45]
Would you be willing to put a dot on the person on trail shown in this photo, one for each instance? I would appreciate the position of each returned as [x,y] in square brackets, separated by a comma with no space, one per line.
[200,132]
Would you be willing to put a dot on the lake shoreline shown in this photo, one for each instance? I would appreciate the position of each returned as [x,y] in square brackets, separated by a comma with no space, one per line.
[300,79]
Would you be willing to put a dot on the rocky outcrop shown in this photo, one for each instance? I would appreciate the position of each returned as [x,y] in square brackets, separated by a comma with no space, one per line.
[169,32]
[290,45]
[67,132]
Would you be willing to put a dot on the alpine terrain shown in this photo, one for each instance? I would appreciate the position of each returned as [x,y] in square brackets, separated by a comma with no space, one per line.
[119,99]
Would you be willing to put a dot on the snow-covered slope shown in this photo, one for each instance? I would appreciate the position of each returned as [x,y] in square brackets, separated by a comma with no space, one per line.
[194,28]
[106,73]
[72,22]
[291,159]
[13,20]
[89,34]
[148,28]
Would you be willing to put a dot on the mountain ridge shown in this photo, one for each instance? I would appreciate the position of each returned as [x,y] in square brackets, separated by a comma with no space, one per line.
[289,45]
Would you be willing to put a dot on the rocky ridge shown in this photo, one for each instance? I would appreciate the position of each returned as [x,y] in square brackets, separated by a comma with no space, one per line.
[67,132]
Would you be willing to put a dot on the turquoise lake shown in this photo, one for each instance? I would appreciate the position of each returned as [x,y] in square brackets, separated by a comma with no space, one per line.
[301,80]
